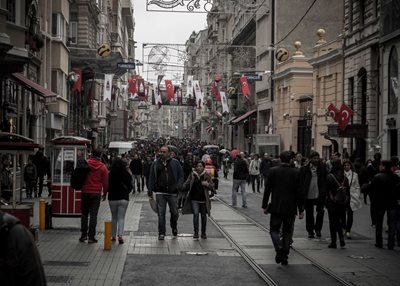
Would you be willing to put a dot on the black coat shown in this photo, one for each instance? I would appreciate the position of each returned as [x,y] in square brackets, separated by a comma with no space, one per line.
[384,191]
[331,189]
[305,180]
[283,185]
[241,170]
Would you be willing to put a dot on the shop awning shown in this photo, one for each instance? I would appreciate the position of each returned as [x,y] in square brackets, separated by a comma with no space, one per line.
[33,86]
[244,116]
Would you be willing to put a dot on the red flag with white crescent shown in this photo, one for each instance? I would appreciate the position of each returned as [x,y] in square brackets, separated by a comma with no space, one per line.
[333,112]
[170,89]
[345,115]
[132,85]
[78,80]
[245,86]
[215,91]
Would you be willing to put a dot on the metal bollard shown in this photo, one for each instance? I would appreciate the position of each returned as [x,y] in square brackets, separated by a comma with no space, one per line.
[107,235]
[42,214]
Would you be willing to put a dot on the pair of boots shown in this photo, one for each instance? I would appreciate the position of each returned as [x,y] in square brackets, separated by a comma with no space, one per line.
[196,235]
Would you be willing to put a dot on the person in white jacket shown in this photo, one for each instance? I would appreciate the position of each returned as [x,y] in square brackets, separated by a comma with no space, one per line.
[254,171]
[355,202]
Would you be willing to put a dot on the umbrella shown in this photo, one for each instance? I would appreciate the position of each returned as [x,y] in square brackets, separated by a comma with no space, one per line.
[234,153]
[223,151]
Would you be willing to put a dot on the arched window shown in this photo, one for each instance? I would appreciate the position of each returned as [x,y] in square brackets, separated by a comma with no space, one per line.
[393,84]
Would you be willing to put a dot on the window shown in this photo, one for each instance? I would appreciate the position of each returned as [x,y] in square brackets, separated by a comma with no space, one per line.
[73,32]
[393,83]
[58,82]
[362,13]
[58,26]
[11,10]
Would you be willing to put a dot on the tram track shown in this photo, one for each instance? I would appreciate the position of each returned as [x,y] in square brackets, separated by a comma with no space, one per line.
[265,276]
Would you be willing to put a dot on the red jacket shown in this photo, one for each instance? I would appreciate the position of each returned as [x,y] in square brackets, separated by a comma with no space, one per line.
[97,179]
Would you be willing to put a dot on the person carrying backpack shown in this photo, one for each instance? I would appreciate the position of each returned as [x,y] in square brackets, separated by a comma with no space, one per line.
[338,196]
[30,174]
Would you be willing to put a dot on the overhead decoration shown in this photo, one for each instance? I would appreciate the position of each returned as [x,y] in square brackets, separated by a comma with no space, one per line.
[245,86]
[205,6]
[170,89]
[282,54]
[224,102]
[104,50]
[107,86]
[342,116]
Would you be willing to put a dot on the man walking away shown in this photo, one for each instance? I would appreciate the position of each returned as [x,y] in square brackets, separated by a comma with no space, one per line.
[264,168]
[43,168]
[286,198]
[313,182]
[166,179]
[96,182]
[240,174]
[136,167]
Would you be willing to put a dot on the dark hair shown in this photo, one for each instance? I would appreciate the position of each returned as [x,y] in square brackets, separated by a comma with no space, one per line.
[336,166]
[313,154]
[197,162]
[285,156]
[348,162]
[387,165]
[97,152]
[394,160]
[118,165]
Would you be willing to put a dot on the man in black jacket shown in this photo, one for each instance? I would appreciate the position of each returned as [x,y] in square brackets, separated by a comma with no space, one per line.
[313,183]
[286,198]
[20,262]
[240,174]
[165,180]
[264,168]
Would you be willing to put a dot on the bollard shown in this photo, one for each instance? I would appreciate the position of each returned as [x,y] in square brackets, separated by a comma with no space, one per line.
[107,235]
[42,214]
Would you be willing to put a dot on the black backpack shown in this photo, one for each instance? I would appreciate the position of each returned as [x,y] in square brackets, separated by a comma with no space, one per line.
[79,175]
[341,196]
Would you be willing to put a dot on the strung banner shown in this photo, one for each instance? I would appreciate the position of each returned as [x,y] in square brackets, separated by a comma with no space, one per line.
[107,86]
[170,89]
[245,86]
[141,88]
[270,123]
[132,85]
[198,94]
[189,87]
[224,102]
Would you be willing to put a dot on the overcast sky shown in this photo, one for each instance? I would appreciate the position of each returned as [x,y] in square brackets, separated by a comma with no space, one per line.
[163,27]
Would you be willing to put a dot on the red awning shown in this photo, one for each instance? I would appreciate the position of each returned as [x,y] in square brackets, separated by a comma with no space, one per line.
[244,116]
[33,86]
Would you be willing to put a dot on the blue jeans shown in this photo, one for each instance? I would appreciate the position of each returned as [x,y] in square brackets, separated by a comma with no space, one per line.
[118,211]
[235,186]
[162,201]
[199,208]
[90,204]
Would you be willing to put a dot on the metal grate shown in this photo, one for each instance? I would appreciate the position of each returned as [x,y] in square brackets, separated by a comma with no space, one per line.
[66,263]
[59,279]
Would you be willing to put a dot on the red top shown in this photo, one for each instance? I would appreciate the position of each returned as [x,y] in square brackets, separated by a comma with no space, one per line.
[97,179]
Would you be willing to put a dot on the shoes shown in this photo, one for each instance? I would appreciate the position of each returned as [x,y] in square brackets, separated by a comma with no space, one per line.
[285,261]
[175,232]
[311,235]
[348,235]
[332,246]
[342,244]
[92,240]
[82,238]
[204,236]
[113,238]
[120,240]
[258,191]
[278,257]
[161,237]
[195,235]
[244,206]
[318,234]
[378,245]
[234,206]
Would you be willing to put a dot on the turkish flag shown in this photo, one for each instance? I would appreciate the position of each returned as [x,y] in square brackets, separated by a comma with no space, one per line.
[333,112]
[245,86]
[344,117]
[132,85]
[170,89]
[78,80]
[215,91]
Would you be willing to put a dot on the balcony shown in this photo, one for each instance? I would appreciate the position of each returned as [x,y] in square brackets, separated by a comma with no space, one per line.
[351,131]
[59,106]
